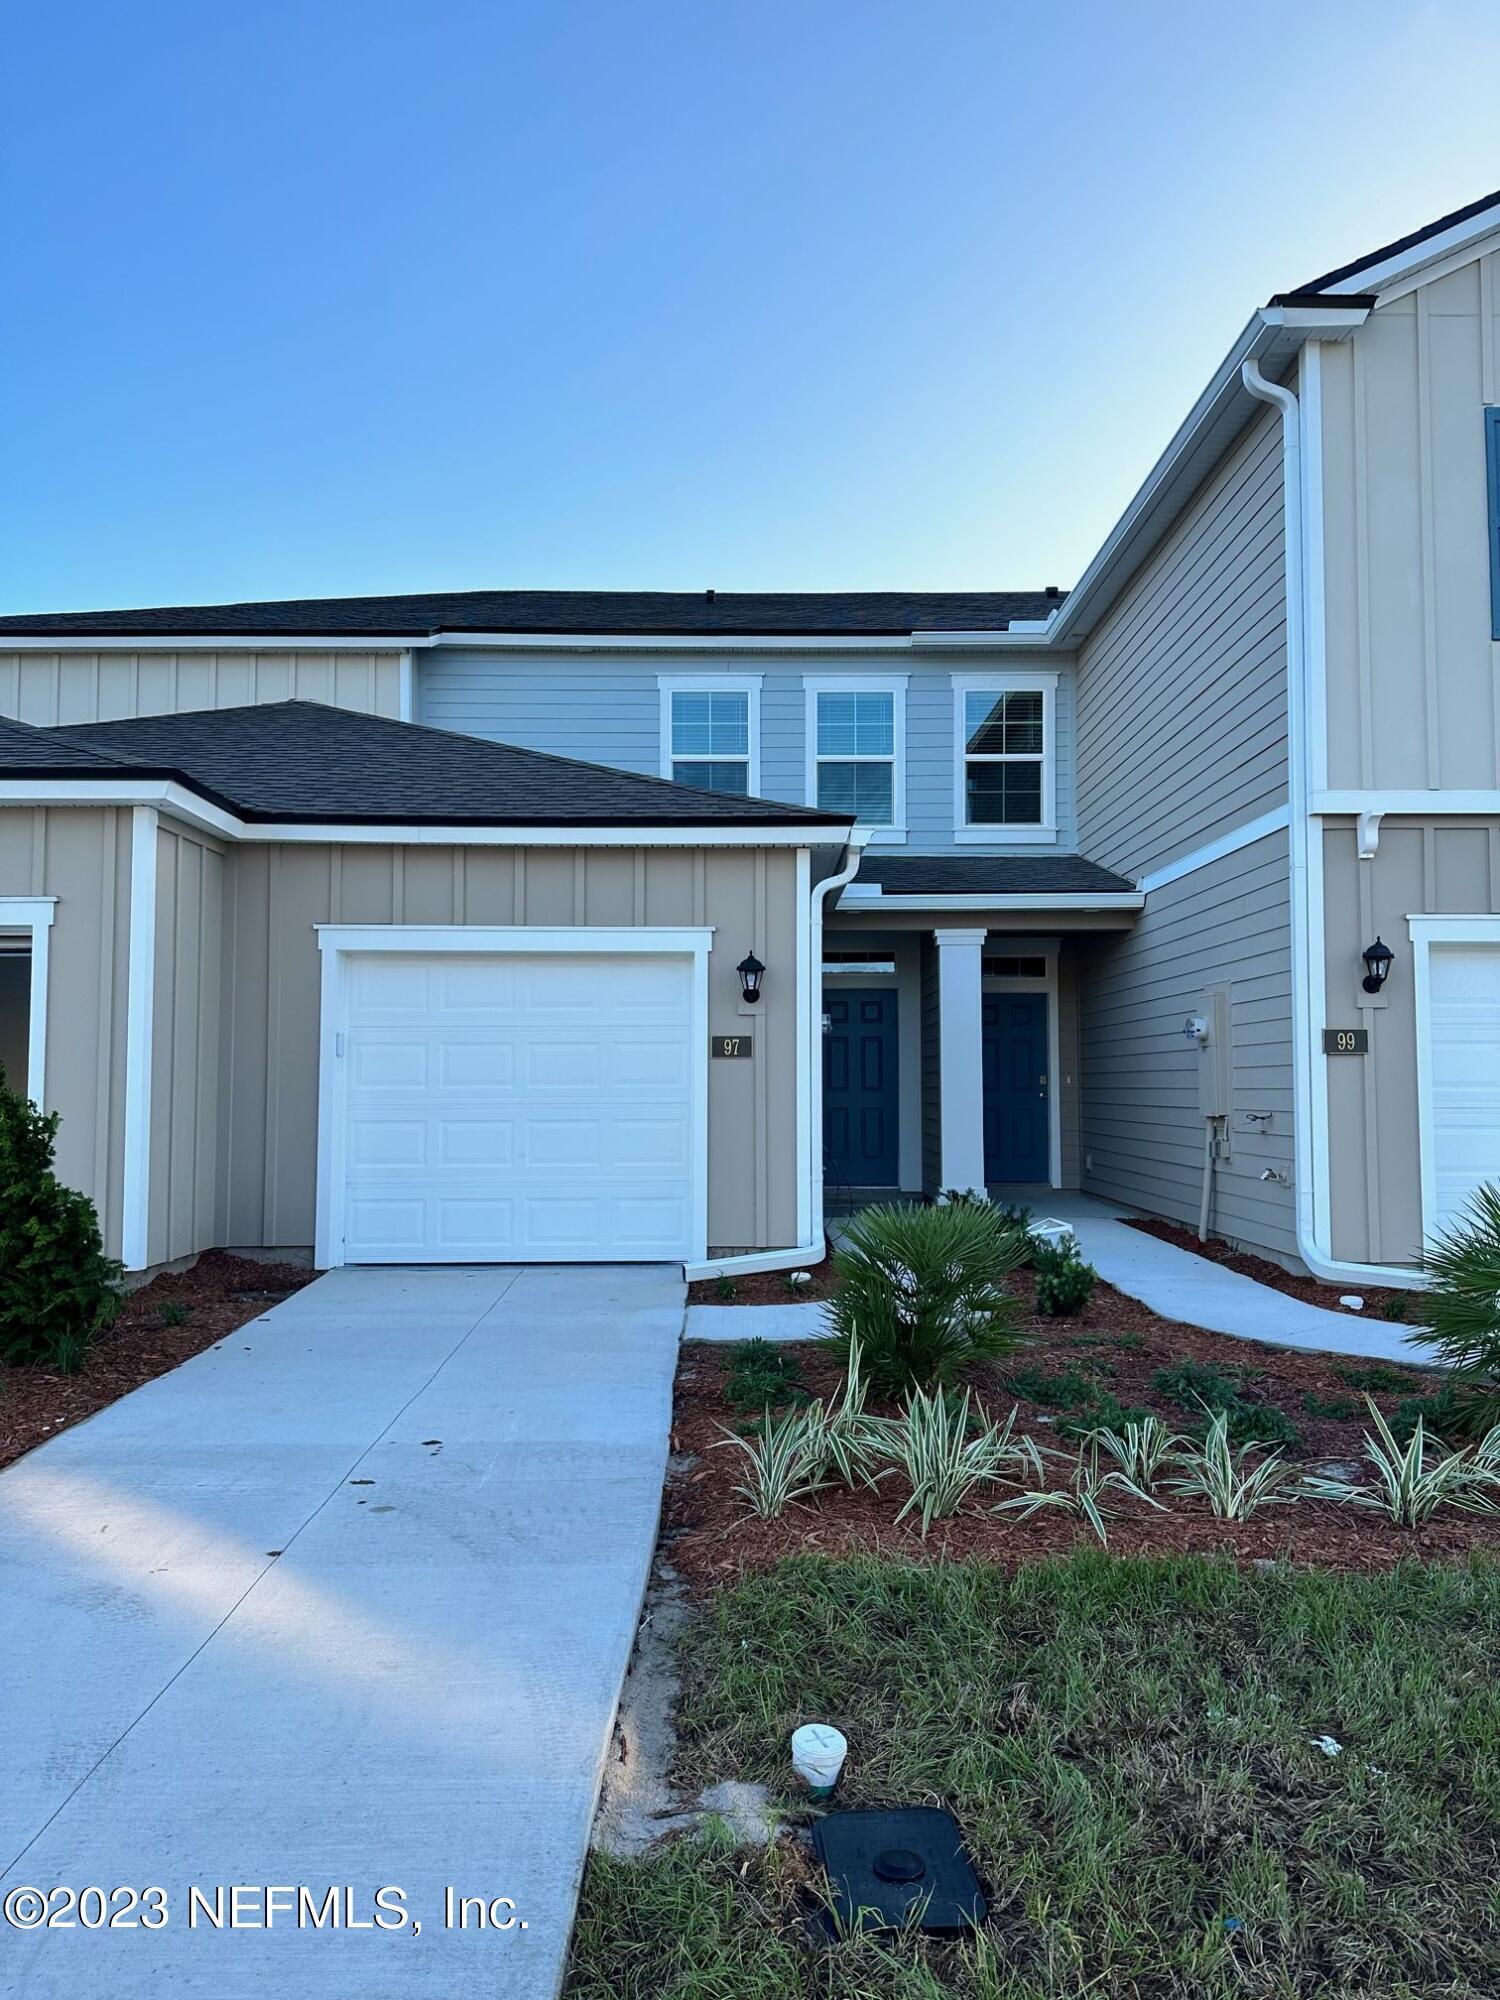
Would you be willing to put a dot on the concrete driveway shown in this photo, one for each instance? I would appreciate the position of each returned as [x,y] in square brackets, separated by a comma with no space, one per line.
[342,1604]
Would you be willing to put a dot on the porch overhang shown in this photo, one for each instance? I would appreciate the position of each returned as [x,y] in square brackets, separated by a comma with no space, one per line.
[1063,891]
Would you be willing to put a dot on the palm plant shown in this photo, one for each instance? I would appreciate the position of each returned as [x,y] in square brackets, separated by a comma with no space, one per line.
[1412,1481]
[922,1290]
[1224,1476]
[1090,1493]
[1462,1308]
[932,1445]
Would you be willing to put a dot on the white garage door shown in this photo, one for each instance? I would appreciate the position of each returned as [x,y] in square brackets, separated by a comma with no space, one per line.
[1464,1017]
[517,1107]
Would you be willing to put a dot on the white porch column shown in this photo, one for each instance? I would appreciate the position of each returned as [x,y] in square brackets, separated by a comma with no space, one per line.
[960,1057]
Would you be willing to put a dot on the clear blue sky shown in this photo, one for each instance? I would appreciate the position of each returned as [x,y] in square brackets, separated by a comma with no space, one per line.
[326,297]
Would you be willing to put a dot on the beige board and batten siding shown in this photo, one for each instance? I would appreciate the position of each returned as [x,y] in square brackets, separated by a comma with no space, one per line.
[277,894]
[183,1206]
[1413,674]
[1182,706]
[1426,867]
[50,689]
[81,856]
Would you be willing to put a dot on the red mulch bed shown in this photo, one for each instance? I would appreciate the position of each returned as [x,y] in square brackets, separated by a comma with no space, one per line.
[220,1293]
[764,1288]
[1380,1302]
[709,1535]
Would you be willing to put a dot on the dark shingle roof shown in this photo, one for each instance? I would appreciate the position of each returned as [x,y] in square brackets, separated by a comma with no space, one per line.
[1409,242]
[300,761]
[990,875]
[729,613]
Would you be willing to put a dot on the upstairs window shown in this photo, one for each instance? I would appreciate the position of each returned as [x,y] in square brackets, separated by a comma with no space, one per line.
[710,732]
[1005,786]
[856,750]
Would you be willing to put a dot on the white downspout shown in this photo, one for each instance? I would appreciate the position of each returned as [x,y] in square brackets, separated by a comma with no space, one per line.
[1307,934]
[854,853]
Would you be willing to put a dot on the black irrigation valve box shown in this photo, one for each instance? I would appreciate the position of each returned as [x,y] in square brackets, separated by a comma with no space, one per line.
[886,1869]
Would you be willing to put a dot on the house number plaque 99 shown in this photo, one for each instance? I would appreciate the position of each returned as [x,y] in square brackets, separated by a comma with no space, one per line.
[730,1045]
[1346,1041]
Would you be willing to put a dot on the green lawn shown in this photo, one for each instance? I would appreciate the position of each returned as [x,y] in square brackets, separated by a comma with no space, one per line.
[1127,1747]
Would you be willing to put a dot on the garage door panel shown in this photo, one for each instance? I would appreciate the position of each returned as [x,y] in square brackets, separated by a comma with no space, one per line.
[1464,1062]
[512,1108]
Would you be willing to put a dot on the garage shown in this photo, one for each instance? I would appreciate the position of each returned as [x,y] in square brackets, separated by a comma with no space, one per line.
[1463,1092]
[526,1104]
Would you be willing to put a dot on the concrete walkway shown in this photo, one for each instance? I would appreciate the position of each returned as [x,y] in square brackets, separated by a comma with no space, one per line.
[1182,1286]
[345,1602]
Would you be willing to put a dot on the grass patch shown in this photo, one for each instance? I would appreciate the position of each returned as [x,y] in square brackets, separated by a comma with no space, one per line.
[1127,1745]
[1336,1409]
[1378,1378]
[762,1377]
[1202,1388]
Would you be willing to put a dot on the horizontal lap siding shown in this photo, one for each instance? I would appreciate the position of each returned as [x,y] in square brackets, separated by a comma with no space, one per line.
[1182,691]
[1227,925]
[1182,706]
[52,688]
[81,855]
[277,895]
[609,712]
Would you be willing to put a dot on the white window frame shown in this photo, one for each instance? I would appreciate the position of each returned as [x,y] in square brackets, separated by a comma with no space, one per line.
[31,917]
[1031,680]
[721,683]
[1425,932]
[337,942]
[894,685]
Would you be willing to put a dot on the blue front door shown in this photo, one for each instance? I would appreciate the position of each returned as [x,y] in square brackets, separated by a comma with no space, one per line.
[859,1087]
[1015,1087]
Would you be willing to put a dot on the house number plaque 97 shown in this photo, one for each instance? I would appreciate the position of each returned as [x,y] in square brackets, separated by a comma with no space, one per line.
[730,1045]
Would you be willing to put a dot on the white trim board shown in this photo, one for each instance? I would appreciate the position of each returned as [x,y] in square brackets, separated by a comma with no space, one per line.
[1427,931]
[166,795]
[1426,804]
[140,1020]
[34,916]
[336,944]
[1124,899]
[1276,821]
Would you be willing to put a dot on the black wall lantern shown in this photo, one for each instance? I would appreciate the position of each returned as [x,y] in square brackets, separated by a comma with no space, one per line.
[751,973]
[1377,959]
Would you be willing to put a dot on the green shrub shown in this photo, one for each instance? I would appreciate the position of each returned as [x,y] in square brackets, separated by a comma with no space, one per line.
[761,1377]
[174,1313]
[1379,1378]
[1445,1412]
[1462,1308]
[1394,1305]
[725,1288]
[1064,1283]
[1211,1391]
[1071,1390]
[923,1291]
[1336,1409]
[57,1287]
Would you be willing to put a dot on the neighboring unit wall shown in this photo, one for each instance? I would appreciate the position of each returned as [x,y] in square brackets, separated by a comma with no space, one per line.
[607,710]
[1437,867]
[81,855]
[1226,925]
[276,894]
[53,688]
[1183,739]
[1182,690]
[1413,692]
[185,1046]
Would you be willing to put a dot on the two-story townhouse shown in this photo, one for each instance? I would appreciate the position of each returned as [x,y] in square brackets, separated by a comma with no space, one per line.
[1103,920]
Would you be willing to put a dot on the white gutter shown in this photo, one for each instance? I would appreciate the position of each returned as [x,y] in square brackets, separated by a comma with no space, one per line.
[1309,1100]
